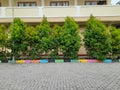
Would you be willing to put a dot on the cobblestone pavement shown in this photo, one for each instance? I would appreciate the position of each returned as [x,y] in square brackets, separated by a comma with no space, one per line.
[60,76]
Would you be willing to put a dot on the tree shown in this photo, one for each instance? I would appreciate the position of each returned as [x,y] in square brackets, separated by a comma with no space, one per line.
[3,36]
[56,33]
[3,42]
[17,34]
[43,37]
[97,39]
[115,35]
[70,39]
[30,42]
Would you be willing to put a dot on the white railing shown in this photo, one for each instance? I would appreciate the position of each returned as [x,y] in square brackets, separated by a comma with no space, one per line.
[72,11]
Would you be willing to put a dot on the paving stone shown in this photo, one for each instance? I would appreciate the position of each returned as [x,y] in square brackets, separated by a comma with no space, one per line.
[60,76]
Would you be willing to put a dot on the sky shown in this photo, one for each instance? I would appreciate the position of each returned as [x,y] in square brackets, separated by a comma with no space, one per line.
[114,1]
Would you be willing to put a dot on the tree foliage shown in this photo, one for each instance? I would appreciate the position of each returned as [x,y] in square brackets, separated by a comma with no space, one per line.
[3,42]
[97,39]
[56,33]
[30,42]
[17,34]
[43,37]
[3,35]
[115,35]
[70,39]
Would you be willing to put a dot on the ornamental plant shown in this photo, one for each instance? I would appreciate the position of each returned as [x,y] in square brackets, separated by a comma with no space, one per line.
[115,36]
[56,34]
[30,42]
[97,39]
[44,39]
[70,39]
[17,34]
[3,43]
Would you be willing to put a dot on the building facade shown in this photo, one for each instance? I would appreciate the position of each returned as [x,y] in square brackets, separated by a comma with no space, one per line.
[32,11]
[21,3]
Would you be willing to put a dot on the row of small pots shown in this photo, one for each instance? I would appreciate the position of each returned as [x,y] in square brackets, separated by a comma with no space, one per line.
[61,61]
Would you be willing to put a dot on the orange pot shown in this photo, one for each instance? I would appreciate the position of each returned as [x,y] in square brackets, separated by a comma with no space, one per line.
[35,61]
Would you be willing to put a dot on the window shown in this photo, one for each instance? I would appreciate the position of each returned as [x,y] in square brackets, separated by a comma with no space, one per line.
[102,2]
[94,3]
[87,3]
[90,2]
[65,3]
[59,3]
[33,4]
[53,4]
[27,4]
[20,4]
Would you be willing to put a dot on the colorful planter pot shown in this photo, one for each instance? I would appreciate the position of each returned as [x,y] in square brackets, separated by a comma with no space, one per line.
[67,60]
[4,61]
[35,61]
[51,60]
[119,60]
[11,61]
[98,61]
[75,61]
[115,60]
[107,61]
[20,61]
[59,61]
[28,61]
[92,60]
[43,61]
[83,60]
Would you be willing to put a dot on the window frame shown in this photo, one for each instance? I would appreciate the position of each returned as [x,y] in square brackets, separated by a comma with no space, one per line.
[91,2]
[58,2]
[30,4]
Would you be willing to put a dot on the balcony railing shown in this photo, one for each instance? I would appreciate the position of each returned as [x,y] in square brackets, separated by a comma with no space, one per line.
[72,11]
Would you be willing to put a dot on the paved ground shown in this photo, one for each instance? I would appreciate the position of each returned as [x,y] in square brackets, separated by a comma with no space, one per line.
[61,76]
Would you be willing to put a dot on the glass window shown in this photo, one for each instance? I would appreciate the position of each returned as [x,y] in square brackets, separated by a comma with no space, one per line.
[26,4]
[52,4]
[33,4]
[20,4]
[87,3]
[90,3]
[94,3]
[65,4]
[59,3]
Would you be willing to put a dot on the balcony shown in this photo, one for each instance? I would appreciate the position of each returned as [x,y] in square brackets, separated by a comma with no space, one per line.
[80,13]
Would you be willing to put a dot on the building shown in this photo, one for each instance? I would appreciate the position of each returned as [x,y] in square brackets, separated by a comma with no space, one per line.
[21,3]
[32,11]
